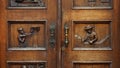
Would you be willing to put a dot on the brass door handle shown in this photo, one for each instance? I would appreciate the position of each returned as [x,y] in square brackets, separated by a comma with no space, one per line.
[52,40]
[66,32]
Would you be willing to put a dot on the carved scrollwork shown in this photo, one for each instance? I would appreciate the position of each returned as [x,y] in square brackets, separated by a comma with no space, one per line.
[27,3]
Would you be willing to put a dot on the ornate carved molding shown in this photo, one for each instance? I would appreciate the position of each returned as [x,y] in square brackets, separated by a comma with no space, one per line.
[27,3]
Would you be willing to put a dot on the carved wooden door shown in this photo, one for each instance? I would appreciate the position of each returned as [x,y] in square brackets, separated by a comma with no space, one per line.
[28,33]
[90,34]
[59,34]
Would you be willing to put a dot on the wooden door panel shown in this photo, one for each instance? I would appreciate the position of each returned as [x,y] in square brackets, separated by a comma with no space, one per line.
[91,65]
[77,15]
[94,64]
[92,4]
[92,15]
[103,37]
[33,40]
[26,64]
[69,19]
[27,15]
[35,20]
[26,4]
[16,56]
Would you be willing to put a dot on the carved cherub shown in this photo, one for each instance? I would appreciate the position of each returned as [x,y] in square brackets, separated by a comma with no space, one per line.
[91,36]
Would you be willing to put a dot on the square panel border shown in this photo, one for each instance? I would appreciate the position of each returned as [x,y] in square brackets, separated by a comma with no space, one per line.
[24,49]
[90,62]
[83,22]
[80,8]
[25,62]
[42,8]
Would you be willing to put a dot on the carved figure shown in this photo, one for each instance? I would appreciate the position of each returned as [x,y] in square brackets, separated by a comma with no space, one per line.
[91,36]
[22,35]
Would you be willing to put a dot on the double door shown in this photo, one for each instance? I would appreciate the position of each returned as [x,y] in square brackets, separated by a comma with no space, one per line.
[59,34]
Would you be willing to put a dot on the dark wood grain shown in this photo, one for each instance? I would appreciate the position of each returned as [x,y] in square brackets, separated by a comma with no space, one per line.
[61,12]
[24,17]
[116,17]
[69,54]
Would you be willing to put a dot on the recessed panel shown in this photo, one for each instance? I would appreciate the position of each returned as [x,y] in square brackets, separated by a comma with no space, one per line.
[91,65]
[39,4]
[92,4]
[27,65]
[27,35]
[91,34]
